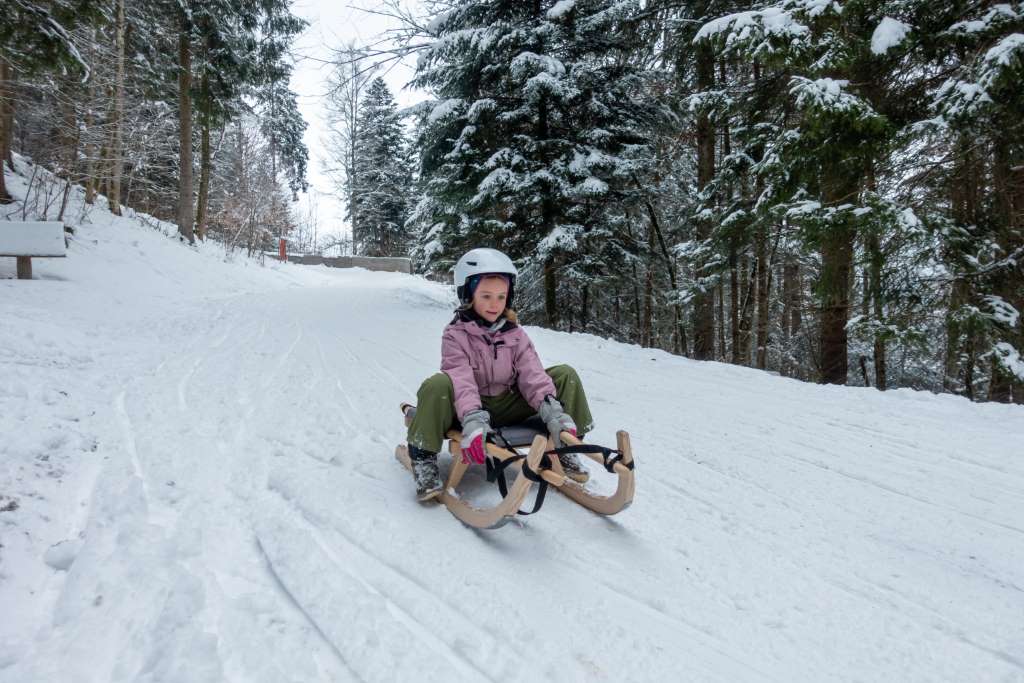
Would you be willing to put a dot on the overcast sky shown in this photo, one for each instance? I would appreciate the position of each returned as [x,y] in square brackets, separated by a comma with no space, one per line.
[331,25]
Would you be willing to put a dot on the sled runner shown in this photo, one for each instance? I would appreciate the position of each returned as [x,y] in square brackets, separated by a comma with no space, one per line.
[538,465]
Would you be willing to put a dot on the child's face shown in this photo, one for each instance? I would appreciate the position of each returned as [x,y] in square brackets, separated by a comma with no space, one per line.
[489,298]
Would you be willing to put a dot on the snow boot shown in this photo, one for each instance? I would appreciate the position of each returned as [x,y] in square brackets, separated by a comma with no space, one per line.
[573,467]
[426,474]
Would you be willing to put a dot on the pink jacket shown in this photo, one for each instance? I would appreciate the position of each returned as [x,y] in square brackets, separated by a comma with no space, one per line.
[484,363]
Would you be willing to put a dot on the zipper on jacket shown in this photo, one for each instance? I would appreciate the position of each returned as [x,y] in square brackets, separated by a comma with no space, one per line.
[494,346]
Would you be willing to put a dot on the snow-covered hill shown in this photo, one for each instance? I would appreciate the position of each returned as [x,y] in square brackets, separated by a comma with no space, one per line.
[197,484]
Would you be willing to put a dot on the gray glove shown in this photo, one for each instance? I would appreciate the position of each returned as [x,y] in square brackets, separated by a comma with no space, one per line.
[476,424]
[556,419]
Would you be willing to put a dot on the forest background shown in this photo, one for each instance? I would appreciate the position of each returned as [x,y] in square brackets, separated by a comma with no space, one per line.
[833,191]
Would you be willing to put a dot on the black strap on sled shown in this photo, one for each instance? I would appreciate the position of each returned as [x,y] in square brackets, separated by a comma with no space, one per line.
[496,468]
[496,473]
[542,485]
[609,455]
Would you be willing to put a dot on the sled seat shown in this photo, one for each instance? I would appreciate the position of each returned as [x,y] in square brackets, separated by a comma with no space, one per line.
[516,436]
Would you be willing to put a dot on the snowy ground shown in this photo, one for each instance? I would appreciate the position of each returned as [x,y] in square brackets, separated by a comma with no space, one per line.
[197,483]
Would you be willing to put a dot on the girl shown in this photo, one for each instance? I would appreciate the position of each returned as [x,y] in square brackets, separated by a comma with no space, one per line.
[490,377]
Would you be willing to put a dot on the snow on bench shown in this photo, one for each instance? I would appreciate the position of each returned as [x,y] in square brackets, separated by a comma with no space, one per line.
[25,239]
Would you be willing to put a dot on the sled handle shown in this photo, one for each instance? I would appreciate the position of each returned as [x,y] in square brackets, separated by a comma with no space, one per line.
[622,465]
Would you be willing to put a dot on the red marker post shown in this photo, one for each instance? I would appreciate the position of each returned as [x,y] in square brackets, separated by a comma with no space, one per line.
[283,250]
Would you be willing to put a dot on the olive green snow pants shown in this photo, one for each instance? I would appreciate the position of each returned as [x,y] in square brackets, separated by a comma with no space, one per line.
[435,407]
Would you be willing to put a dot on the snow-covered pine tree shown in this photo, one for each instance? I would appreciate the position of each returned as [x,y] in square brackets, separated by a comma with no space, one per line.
[280,120]
[382,178]
[225,52]
[236,45]
[346,83]
[813,150]
[282,124]
[696,84]
[35,38]
[540,125]
[975,134]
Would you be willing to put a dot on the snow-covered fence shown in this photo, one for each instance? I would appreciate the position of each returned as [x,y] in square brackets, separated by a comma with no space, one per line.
[25,239]
[392,264]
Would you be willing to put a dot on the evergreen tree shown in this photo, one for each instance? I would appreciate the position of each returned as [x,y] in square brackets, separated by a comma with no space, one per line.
[977,120]
[34,38]
[813,154]
[281,122]
[540,126]
[346,84]
[283,126]
[382,177]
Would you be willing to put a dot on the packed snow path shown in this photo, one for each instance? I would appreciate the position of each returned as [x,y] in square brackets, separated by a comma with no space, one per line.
[233,510]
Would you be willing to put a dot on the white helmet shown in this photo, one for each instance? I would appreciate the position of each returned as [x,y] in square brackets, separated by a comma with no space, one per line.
[480,262]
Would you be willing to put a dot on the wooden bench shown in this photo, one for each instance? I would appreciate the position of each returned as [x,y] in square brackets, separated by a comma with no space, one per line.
[25,239]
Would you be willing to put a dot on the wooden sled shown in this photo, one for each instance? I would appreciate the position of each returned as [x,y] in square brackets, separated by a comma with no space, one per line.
[539,465]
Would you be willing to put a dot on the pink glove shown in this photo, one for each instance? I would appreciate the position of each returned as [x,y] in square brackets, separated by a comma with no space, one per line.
[475,452]
[476,425]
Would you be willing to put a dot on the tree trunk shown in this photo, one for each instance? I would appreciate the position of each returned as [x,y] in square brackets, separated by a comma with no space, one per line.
[681,345]
[637,308]
[734,304]
[90,156]
[647,330]
[1008,286]
[763,285]
[71,134]
[836,256]
[970,359]
[789,285]
[720,290]
[6,114]
[550,292]
[678,331]
[584,306]
[204,159]
[747,281]
[865,287]
[114,198]
[703,301]
[834,285]
[352,105]
[547,222]
[796,322]
[875,283]
[954,332]
[101,171]
[6,127]
[202,208]
[873,280]
[963,193]
[185,217]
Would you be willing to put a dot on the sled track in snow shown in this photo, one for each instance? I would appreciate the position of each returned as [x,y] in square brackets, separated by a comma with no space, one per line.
[297,606]
[394,587]
[871,592]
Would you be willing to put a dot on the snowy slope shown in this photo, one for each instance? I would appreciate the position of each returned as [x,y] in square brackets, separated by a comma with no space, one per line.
[198,485]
